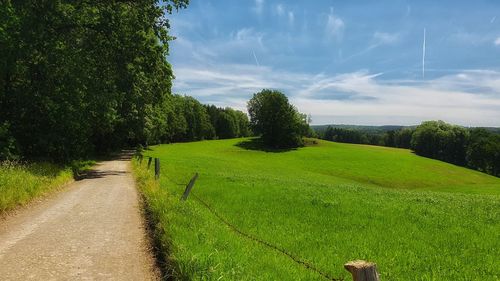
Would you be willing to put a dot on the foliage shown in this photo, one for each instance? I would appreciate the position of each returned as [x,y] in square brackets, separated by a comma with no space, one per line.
[228,123]
[439,140]
[344,135]
[198,126]
[83,77]
[326,204]
[8,145]
[391,137]
[483,151]
[276,120]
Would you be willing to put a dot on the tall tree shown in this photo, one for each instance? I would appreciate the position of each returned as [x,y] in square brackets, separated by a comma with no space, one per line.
[275,119]
[79,77]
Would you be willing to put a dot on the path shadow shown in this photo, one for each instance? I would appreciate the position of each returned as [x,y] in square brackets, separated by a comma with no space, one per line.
[93,174]
[124,155]
[258,144]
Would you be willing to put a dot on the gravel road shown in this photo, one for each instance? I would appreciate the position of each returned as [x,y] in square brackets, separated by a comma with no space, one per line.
[93,230]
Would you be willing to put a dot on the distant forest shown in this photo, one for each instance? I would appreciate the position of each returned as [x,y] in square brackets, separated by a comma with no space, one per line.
[476,148]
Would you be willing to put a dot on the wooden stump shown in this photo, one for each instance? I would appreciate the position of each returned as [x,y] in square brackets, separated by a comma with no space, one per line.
[157,168]
[189,187]
[149,162]
[362,270]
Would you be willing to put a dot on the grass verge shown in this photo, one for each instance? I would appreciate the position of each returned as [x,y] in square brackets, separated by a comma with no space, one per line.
[21,182]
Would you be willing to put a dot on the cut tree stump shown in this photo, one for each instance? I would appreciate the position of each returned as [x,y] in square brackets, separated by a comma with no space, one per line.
[362,270]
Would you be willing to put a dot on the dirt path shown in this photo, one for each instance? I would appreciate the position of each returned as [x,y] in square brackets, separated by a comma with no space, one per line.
[92,231]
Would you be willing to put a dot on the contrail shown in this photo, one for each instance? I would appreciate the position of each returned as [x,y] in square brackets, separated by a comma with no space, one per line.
[423,58]
[255,57]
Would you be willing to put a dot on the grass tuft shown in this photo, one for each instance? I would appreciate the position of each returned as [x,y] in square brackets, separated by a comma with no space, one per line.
[21,182]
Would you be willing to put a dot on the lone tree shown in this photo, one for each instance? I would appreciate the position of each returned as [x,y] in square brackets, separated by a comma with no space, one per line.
[276,120]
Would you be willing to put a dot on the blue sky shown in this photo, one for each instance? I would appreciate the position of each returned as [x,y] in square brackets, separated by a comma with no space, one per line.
[349,62]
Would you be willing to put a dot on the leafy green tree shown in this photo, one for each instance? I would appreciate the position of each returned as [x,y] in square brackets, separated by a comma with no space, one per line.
[80,77]
[439,140]
[8,145]
[403,138]
[197,120]
[483,151]
[390,138]
[228,123]
[243,124]
[275,119]
[227,127]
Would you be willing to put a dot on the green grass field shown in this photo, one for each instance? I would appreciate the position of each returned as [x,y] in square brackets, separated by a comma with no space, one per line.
[20,183]
[326,204]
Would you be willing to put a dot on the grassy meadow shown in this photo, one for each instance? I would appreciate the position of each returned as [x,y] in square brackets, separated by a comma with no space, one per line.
[325,204]
[20,183]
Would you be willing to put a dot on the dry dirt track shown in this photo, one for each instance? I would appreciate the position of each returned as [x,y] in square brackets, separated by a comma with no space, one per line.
[91,231]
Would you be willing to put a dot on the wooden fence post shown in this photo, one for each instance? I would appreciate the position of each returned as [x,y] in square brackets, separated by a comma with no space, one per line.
[149,162]
[157,168]
[189,187]
[362,270]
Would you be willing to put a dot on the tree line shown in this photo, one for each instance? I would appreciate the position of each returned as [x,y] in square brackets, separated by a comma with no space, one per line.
[86,77]
[183,118]
[476,148]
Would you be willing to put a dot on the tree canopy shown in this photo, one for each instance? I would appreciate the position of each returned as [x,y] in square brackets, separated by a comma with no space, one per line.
[439,140]
[276,120]
[80,77]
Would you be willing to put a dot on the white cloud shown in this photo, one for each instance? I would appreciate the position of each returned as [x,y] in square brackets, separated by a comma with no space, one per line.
[379,39]
[497,41]
[280,10]
[291,17]
[334,26]
[472,38]
[285,13]
[385,38]
[358,97]
[259,6]
[246,37]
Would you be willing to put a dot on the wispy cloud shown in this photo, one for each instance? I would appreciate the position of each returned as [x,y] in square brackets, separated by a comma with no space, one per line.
[280,10]
[472,38]
[378,39]
[334,26]
[385,38]
[356,96]
[407,102]
[285,13]
[291,17]
[497,41]
[259,7]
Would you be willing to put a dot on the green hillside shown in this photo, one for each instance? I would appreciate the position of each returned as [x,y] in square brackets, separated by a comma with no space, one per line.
[325,204]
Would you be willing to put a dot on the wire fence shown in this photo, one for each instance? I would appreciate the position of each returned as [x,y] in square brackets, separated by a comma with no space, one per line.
[305,264]
[361,270]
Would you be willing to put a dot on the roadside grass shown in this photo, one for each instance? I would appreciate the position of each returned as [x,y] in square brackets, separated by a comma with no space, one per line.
[417,218]
[21,182]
